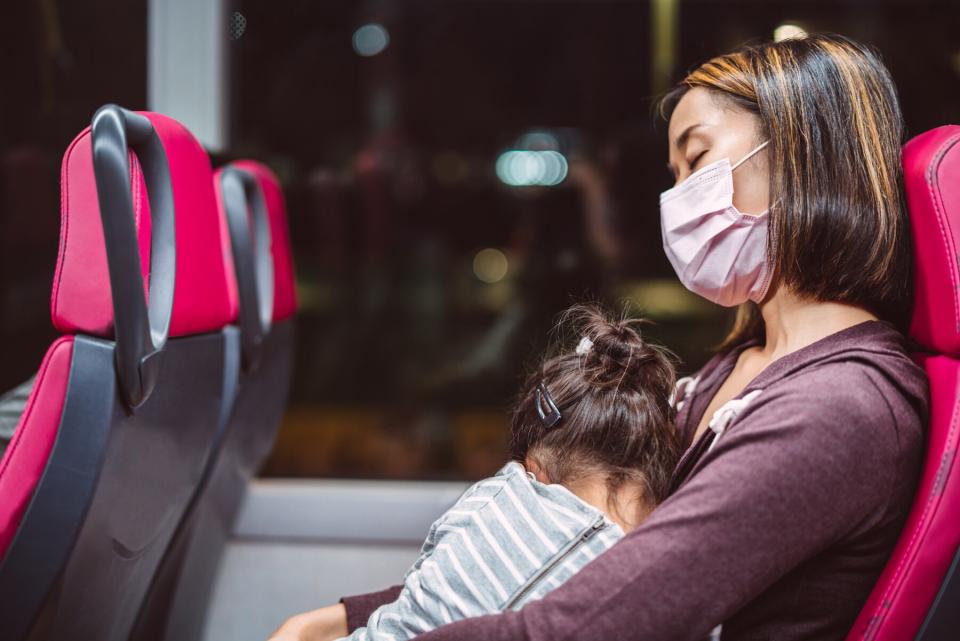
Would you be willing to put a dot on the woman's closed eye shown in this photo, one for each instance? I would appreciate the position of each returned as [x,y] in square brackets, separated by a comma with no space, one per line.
[691,164]
[697,159]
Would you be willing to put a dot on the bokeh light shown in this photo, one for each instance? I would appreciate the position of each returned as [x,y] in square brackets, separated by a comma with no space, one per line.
[538,140]
[523,168]
[490,265]
[370,39]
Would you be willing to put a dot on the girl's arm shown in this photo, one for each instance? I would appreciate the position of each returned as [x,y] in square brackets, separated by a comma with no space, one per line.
[324,624]
[359,607]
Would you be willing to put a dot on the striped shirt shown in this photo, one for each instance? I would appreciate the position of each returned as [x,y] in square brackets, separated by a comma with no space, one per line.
[12,404]
[509,539]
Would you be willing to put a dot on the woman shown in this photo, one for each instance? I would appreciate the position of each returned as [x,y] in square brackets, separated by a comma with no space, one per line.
[805,431]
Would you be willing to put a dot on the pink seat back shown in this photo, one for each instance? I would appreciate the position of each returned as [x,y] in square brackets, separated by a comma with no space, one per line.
[81,297]
[26,456]
[284,291]
[81,301]
[903,599]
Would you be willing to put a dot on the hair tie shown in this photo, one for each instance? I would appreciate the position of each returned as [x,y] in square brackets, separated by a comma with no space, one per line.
[584,345]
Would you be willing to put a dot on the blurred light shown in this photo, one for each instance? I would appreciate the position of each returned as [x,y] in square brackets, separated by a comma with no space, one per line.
[490,265]
[955,60]
[526,168]
[370,39]
[665,298]
[538,141]
[787,31]
[664,43]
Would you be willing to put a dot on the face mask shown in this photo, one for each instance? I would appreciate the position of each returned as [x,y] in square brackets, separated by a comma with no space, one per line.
[718,252]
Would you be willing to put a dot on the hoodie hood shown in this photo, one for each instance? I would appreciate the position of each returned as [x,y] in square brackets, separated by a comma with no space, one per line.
[876,343]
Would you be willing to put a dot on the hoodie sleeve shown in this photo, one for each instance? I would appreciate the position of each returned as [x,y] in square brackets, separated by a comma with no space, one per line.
[360,606]
[808,465]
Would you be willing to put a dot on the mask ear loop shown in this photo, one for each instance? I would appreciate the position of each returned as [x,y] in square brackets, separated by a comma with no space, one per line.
[742,160]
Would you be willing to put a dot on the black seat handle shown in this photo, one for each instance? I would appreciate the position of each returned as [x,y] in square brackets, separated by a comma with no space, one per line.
[246,212]
[141,324]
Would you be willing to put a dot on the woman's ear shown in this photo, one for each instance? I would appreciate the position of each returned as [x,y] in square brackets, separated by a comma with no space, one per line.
[534,467]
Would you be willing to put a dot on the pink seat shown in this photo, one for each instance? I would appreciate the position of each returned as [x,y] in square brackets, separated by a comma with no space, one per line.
[918,594]
[284,292]
[123,412]
[262,291]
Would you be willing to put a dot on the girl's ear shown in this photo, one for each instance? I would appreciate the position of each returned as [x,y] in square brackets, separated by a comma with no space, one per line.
[533,466]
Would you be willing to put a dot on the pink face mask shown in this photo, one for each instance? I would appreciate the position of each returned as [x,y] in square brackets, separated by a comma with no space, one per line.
[718,252]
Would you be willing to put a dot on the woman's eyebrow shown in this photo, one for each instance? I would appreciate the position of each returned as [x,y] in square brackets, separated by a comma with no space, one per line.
[685,135]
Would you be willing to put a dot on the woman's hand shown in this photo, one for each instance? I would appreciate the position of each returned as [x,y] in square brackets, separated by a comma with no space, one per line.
[323,624]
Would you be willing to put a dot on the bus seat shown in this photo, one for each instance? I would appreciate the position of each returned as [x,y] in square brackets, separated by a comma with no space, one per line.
[918,593]
[121,416]
[262,291]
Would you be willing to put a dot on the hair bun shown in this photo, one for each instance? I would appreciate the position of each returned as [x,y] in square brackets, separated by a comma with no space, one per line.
[614,353]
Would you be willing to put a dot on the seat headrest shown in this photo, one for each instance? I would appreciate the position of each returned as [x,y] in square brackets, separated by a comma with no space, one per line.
[284,285]
[233,294]
[931,165]
[81,298]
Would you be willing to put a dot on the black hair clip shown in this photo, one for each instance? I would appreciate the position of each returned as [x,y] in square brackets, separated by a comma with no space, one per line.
[552,416]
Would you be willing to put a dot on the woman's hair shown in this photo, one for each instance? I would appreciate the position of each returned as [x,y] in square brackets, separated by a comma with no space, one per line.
[614,402]
[838,220]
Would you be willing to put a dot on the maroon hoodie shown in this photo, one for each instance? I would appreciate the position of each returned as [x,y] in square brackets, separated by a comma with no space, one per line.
[777,531]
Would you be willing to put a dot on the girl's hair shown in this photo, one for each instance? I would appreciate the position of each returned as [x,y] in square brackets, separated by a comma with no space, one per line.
[614,401]
[838,220]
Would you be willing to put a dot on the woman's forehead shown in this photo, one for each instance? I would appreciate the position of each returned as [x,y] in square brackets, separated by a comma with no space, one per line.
[695,110]
[700,111]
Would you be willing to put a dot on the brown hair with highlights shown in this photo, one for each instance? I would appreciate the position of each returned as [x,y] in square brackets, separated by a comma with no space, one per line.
[839,229]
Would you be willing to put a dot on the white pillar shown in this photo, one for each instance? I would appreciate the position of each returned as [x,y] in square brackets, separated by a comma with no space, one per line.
[188,66]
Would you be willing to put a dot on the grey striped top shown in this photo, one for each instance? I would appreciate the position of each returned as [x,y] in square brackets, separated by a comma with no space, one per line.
[507,540]
[12,404]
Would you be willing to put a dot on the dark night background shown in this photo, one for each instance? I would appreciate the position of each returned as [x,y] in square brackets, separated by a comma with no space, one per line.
[408,357]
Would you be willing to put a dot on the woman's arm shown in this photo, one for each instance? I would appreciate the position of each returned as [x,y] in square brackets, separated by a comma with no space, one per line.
[789,479]
[359,607]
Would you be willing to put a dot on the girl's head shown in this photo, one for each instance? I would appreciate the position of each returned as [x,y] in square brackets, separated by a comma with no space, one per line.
[831,174]
[613,397]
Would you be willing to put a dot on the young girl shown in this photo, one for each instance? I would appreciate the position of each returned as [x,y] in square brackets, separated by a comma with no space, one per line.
[592,449]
